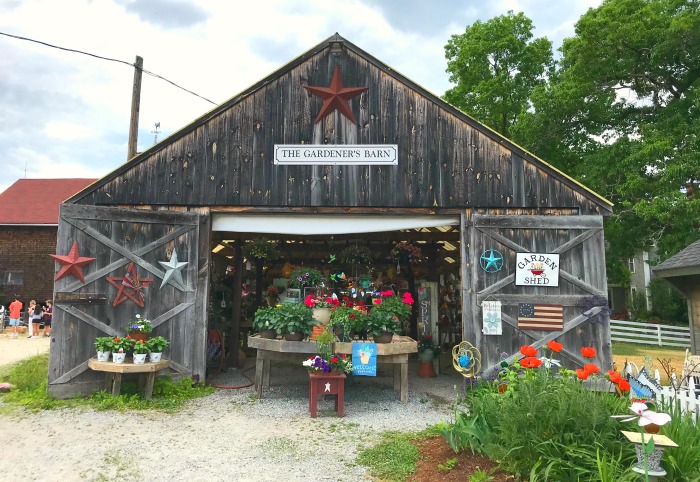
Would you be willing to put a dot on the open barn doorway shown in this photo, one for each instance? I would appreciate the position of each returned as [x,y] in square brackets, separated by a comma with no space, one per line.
[251,268]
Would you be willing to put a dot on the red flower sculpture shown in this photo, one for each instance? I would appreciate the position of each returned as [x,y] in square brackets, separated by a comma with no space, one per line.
[588,352]
[530,362]
[528,350]
[555,347]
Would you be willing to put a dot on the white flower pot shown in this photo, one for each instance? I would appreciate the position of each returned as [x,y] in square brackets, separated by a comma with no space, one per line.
[140,358]
[154,357]
[118,357]
[103,355]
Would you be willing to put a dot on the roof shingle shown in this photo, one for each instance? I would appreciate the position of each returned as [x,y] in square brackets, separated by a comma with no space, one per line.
[687,258]
[36,201]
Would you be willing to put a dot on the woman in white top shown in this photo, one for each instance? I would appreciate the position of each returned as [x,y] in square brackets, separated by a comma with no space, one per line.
[35,314]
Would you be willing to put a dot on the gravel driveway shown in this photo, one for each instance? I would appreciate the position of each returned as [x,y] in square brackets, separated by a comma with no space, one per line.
[229,435]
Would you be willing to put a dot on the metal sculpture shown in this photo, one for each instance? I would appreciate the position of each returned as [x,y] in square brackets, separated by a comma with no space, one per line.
[466,359]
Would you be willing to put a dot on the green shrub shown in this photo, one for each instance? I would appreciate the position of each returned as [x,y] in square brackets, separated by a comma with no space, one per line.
[666,303]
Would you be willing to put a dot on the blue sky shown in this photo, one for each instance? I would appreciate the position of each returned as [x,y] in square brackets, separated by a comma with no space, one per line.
[67,115]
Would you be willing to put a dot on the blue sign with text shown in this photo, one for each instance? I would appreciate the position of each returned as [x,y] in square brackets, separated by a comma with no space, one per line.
[364,359]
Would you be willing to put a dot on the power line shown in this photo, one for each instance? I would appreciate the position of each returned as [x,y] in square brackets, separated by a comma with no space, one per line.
[109,59]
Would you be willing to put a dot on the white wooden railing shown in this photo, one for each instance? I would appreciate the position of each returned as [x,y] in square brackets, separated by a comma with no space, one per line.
[650,333]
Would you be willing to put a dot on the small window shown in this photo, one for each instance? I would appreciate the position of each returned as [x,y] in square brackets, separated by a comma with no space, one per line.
[633,291]
[11,278]
[630,263]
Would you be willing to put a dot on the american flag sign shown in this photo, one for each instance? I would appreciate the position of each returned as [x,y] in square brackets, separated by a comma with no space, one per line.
[540,317]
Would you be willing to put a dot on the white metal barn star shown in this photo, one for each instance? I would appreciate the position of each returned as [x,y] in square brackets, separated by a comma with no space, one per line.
[328,387]
[172,271]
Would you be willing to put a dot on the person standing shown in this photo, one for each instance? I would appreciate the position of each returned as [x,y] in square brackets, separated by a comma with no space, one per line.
[48,315]
[35,314]
[15,312]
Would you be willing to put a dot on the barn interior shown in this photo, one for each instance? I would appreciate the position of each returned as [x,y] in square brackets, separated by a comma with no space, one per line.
[353,265]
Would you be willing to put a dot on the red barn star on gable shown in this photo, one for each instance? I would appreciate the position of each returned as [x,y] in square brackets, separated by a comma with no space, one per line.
[335,97]
[131,286]
[72,263]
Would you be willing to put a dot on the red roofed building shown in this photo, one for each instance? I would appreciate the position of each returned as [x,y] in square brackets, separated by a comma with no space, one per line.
[28,226]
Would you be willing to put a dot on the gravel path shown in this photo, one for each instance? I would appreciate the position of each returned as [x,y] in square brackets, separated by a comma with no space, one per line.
[229,435]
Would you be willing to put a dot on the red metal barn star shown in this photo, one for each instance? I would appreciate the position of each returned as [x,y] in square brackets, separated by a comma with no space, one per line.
[335,97]
[130,286]
[72,263]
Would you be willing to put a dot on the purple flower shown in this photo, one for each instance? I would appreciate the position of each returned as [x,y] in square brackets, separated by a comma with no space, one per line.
[299,278]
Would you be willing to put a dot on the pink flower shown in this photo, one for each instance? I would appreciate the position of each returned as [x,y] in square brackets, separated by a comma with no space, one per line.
[647,416]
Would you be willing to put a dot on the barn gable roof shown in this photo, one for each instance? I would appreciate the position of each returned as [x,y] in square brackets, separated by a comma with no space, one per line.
[193,145]
[685,262]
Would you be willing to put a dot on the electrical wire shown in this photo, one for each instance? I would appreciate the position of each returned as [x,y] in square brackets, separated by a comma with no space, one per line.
[111,60]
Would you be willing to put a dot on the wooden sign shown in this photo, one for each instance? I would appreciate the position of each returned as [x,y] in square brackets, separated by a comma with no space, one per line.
[353,155]
[63,297]
[425,324]
[537,269]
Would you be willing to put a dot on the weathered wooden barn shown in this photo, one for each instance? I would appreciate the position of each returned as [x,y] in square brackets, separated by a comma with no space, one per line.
[333,142]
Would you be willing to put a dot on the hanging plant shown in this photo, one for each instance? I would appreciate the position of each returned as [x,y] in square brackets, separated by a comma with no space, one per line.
[404,252]
[305,277]
[261,249]
[356,254]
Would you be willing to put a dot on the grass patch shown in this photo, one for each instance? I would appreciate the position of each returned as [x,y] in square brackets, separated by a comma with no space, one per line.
[636,353]
[395,456]
[30,378]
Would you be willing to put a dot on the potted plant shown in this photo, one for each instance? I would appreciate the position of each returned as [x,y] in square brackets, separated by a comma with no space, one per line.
[303,277]
[427,350]
[327,362]
[321,307]
[156,345]
[345,320]
[266,322]
[119,348]
[261,249]
[103,345]
[140,351]
[387,316]
[139,328]
[272,295]
[295,321]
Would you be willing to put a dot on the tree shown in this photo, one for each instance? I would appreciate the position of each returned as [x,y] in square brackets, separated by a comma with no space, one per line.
[622,114]
[496,65]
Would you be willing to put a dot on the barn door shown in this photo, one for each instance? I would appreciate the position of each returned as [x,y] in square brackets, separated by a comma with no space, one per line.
[138,269]
[582,290]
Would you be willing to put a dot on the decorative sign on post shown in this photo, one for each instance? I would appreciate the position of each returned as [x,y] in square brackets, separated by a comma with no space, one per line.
[536,269]
[492,318]
[346,154]
[364,359]
[424,304]
[64,297]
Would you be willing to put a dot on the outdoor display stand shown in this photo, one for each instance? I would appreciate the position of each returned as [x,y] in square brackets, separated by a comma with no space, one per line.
[327,384]
[654,468]
[395,353]
[113,376]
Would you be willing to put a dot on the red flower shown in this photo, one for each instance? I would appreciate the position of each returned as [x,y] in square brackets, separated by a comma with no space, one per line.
[588,352]
[116,340]
[349,304]
[554,346]
[528,350]
[407,298]
[334,360]
[530,362]
[309,301]
[582,374]
[591,368]
[346,298]
[352,316]
[624,385]
[614,377]
[387,293]
[128,337]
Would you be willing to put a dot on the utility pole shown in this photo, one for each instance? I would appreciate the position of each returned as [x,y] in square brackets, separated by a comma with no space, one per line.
[135,105]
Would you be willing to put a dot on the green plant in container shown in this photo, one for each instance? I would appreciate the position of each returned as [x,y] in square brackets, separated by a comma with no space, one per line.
[267,318]
[345,320]
[140,347]
[389,314]
[104,343]
[121,345]
[157,344]
[295,318]
[304,277]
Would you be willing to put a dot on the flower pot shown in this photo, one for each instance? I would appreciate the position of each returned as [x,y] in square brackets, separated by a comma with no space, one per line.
[103,355]
[426,355]
[652,428]
[140,358]
[271,300]
[384,337]
[426,369]
[154,357]
[322,315]
[502,387]
[364,357]
[296,336]
[139,336]
[118,357]
[269,334]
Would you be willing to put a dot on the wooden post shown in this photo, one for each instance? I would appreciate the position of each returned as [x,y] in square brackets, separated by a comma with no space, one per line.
[135,105]
[236,308]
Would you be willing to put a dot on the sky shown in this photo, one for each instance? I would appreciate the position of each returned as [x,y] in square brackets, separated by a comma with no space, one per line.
[66,115]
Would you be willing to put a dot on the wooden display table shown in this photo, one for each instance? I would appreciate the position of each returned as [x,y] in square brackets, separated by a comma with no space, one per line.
[395,353]
[326,384]
[113,376]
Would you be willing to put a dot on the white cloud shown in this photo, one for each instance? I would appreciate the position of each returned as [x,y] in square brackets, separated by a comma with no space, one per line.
[68,131]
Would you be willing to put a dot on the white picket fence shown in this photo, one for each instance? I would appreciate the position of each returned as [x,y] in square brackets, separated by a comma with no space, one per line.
[687,398]
[650,333]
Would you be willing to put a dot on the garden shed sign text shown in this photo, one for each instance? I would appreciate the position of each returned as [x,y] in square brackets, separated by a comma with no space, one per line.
[537,269]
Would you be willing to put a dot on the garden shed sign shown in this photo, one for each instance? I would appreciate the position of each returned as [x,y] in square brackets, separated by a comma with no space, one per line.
[537,269]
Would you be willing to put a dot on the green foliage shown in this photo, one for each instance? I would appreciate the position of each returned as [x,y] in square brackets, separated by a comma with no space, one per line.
[480,475]
[544,427]
[448,465]
[267,318]
[388,315]
[666,303]
[139,325]
[104,343]
[30,378]
[157,344]
[393,459]
[140,347]
[496,65]
[260,249]
[682,463]
[637,306]
[304,277]
[346,319]
[294,318]
[122,344]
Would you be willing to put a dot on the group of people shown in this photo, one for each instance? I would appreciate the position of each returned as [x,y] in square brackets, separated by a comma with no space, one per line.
[36,315]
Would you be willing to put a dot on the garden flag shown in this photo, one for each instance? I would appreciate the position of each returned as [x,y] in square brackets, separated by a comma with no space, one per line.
[540,317]
[364,359]
[491,311]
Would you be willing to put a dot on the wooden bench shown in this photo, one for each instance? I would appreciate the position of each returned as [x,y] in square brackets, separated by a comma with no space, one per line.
[114,371]
[395,353]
